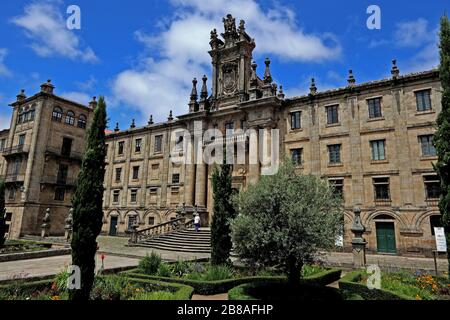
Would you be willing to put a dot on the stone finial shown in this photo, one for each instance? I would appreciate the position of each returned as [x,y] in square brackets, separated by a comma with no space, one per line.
[204,92]
[21,96]
[47,87]
[214,35]
[93,103]
[194,94]
[357,226]
[229,24]
[133,124]
[351,79]
[150,121]
[69,225]
[170,118]
[117,129]
[281,93]
[267,75]
[312,87]
[253,76]
[395,71]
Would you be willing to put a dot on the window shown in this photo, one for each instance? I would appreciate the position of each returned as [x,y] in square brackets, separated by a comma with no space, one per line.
[151,221]
[116,195]
[32,112]
[296,120]
[133,196]
[423,100]
[179,142]
[176,178]
[137,147]
[62,174]
[135,172]
[57,114]
[21,139]
[378,150]
[296,156]
[82,120]
[229,126]
[426,143]
[70,118]
[66,147]
[338,187]
[334,152]
[374,108]
[381,186]
[435,222]
[60,193]
[118,174]
[120,150]
[12,194]
[332,114]
[2,144]
[132,220]
[432,187]
[158,143]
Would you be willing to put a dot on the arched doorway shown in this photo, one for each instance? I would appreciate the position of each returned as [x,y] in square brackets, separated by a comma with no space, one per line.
[385,231]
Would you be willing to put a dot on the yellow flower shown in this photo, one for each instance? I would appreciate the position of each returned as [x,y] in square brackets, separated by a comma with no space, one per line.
[418,297]
[56,298]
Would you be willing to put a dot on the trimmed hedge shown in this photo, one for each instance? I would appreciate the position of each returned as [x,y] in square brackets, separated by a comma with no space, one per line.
[319,279]
[350,283]
[221,286]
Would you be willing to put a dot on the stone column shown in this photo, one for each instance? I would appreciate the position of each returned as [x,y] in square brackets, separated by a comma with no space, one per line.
[254,164]
[200,185]
[358,242]
[189,182]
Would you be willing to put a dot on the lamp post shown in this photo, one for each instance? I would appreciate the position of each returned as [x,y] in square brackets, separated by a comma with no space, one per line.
[358,242]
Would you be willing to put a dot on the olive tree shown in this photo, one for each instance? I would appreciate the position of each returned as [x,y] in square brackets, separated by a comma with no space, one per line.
[284,220]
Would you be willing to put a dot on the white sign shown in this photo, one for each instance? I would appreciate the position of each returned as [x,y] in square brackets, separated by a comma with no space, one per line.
[339,241]
[441,243]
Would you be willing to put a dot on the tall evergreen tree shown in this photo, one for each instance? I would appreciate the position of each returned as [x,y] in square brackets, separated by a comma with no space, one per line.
[2,214]
[224,212]
[87,203]
[442,135]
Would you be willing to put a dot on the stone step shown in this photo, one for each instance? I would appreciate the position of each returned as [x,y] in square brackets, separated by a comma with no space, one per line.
[178,241]
[176,248]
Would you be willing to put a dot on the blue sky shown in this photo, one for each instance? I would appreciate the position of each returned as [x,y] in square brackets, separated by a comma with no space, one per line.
[142,55]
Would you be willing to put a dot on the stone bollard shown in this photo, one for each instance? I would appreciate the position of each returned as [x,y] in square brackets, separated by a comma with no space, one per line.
[69,226]
[45,227]
[358,242]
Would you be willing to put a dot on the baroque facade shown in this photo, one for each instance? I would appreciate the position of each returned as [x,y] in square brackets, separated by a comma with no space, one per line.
[372,141]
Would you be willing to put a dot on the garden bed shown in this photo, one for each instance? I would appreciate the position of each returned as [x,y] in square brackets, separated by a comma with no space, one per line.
[18,246]
[396,286]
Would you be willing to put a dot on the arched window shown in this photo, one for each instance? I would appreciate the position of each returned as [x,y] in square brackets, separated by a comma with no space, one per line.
[82,122]
[57,114]
[70,118]
[32,112]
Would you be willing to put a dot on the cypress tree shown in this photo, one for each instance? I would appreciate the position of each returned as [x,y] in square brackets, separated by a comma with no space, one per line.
[2,214]
[221,243]
[442,135]
[87,203]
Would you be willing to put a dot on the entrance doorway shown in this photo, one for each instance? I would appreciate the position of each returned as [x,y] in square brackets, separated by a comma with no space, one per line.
[113,227]
[386,237]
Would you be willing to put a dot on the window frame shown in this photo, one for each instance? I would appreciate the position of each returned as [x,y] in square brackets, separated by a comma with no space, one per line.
[331,152]
[423,101]
[375,110]
[57,114]
[431,150]
[70,118]
[377,157]
[333,116]
[376,183]
[296,120]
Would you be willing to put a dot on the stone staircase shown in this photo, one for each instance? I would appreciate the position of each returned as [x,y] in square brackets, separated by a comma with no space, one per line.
[185,240]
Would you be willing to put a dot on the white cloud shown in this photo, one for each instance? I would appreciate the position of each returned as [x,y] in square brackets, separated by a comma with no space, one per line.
[4,71]
[412,33]
[75,96]
[45,26]
[162,79]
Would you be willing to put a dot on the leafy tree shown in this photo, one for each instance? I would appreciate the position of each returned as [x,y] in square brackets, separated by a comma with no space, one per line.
[285,219]
[442,135]
[224,212]
[87,203]
[2,214]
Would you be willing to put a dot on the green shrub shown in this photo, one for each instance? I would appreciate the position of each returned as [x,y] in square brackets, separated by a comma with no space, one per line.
[156,295]
[215,273]
[150,264]
[61,280]
[180,268]
[164,270]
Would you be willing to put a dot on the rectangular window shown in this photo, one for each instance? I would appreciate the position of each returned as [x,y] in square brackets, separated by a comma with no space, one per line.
[22,139]
[133,196]
[116,195]
[374,108]
[229,126]
[62,174]
[338,187]
[131,222]
[12,194]
[135,172]
[332,114]
[121,145]
[296,156]
[378,150]
[60,193]
[2,144]
[158,143]
[296,120]
[334,152]
[66,147]
[151,221]
[176,178]
[118,174]
[381,187]
[435,222]
[137,147]
[426,143]
[423,100]
[432,187]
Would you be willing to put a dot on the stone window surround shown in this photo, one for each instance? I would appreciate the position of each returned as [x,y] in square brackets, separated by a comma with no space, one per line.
[381,117]
[431,110]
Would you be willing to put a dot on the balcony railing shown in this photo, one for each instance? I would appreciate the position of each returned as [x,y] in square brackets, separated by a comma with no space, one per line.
[69,182]
[59,153]
[11,178]
[20,149]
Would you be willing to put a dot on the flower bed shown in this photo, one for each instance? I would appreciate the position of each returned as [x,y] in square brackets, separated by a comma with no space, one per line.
[17,246]
[397,286]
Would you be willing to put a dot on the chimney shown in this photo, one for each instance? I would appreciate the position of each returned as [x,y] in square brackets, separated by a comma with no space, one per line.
[47,87]
[21,96]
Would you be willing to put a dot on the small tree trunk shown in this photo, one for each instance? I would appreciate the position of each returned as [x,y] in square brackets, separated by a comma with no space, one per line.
[294,271]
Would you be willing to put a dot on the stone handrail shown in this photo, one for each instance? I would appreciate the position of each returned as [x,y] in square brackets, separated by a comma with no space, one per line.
[160,229]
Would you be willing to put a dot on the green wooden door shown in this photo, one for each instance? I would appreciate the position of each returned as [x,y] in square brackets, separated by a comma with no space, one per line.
[386,237]
[113,227]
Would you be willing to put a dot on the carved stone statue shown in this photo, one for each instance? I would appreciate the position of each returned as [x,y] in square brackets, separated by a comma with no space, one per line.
[229,23]
[45,227]
[69,225]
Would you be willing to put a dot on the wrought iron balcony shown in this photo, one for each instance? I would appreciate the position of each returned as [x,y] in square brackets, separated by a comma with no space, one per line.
[17,150]
[57,152]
